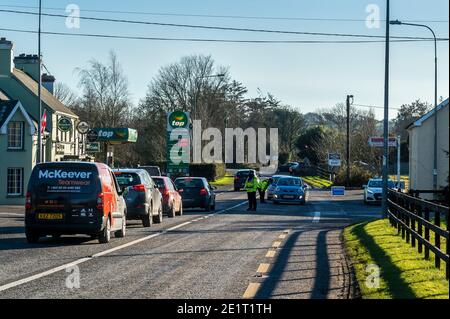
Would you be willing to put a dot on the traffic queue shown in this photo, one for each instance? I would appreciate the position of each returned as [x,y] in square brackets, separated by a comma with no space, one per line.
[70,198]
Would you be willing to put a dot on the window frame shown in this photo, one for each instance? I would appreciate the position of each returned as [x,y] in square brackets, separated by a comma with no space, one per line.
[22,136]
[21,181]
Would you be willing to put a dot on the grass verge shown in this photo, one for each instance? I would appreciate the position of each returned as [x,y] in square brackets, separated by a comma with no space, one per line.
[404,273]
[224,181]
[317,181]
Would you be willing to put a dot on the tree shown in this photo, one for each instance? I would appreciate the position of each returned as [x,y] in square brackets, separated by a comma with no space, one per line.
[305,143]
[65,95]
[106,99]
[408,114]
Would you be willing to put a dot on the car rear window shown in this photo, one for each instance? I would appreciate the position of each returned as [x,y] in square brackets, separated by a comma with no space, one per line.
[64,179]
[243,173]
[152,171]
[127,179]
[159,182]
[189,183]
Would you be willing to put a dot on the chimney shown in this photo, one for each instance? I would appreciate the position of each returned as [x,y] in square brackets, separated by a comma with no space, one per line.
[6,57]
[28,64]
[48,82]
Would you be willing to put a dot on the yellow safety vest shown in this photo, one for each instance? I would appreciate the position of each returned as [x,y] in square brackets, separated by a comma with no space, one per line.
[251,186]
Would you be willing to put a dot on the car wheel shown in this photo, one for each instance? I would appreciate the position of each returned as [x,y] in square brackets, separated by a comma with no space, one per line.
[121,233]
[32,236]
[172,211]
[180,211]
[105,234]
[147,220]
[158,218]
[213,207]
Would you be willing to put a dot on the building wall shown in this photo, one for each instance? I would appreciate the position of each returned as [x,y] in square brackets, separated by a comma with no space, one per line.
[422,152]
[25,159]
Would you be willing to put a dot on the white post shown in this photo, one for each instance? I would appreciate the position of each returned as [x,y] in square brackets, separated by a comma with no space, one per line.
[399,144]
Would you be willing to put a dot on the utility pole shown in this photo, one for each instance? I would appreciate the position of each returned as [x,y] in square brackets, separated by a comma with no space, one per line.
[39,157]
[386,113]
[349,103]
[399,153]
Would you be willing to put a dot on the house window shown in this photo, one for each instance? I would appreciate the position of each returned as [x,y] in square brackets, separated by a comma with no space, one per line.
[15,182]
[15,135]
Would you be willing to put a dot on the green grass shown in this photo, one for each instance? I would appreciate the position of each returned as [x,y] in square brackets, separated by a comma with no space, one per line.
[405,274]
[224,181]
[404,178]
[317,181]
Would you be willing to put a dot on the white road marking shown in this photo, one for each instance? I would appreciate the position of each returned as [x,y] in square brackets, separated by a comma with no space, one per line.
[12,214]
[316,218]
[100,254]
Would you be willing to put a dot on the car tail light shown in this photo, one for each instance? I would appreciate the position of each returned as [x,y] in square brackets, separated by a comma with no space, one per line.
[139,188]
[180,190]
[28,201]
[203,192]
[166,192]
[100,201]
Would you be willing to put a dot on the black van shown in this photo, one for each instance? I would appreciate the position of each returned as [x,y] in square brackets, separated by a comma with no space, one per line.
[67,198]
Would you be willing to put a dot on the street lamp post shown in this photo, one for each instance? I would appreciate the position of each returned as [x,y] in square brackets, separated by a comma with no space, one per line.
[39,157]
[397,22]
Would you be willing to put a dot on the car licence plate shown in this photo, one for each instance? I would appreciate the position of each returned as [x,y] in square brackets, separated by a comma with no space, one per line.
[47,216]
[288,197]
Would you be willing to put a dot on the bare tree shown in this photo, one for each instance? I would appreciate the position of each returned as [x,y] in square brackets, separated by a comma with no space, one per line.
[65,95]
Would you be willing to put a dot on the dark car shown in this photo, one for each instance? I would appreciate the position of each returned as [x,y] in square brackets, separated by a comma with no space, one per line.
[141,194]
[240,178]
[172,202]
[291,168]
[196,193]
[152,170]
[68,198]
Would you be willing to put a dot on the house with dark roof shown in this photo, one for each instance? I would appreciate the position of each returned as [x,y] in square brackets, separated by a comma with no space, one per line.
[19,115]
[421,149]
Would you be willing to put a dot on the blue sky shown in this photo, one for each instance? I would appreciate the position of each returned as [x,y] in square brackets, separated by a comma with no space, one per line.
[307,76]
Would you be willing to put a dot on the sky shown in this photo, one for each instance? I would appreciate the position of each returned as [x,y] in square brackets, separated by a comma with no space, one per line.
[305,76]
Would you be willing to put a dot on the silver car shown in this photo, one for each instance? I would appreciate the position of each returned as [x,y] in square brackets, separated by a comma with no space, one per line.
[272,186]
[373,191]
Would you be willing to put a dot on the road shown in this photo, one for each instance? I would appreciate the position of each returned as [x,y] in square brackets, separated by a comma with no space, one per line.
[281,251]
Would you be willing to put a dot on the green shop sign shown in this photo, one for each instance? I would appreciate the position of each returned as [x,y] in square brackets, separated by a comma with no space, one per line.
[117,135]
[64,124]
[177,119]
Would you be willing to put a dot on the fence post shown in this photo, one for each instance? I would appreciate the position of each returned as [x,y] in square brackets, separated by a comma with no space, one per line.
[427,233]
[420,228]
[448,240]
[437,238]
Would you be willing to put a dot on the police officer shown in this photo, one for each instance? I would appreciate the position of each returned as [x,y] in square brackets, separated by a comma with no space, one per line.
[263,186]
[251,186]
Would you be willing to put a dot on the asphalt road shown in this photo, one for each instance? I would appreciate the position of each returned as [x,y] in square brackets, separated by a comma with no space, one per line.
[281,251]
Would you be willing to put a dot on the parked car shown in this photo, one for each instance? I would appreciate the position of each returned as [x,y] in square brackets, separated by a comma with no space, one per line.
[272,186]
[196,193]
[373,191]
[68,198]
[291,168]
[290,190]
[152,170]
[172,202]
[141,194]
[240,178]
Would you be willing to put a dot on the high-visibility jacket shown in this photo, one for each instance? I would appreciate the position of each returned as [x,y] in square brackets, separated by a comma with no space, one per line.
[251,184]
[264,185]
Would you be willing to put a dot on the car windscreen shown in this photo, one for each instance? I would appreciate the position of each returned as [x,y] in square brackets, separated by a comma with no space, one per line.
[127,179]
[159,182]
[189,183]
[289,182]
[243,174]
[64,179]
[379,184]
[153,171]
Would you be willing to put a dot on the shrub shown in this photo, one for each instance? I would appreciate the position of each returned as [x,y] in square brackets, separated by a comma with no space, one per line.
[210,171]
[358,176]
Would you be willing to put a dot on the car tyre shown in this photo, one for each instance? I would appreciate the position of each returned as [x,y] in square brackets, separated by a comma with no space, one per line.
[180,211]
[147,220]
[172,212]
[32,236]
[122,232]
[158,218]
[105,235]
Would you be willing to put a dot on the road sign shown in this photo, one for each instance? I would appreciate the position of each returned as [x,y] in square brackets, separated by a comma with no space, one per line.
[83,128]
[334,160]
[93,147]
[338,191]
[379,142]
[64,124]
[92,136]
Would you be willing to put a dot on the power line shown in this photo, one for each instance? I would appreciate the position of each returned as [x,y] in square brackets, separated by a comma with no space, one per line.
[109,36]
[221,16]
[376,107]
[218,27]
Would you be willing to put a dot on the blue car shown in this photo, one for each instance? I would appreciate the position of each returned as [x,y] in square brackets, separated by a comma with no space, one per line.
[290,190]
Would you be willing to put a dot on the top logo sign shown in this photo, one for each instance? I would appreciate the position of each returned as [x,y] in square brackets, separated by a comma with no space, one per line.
[178,119]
